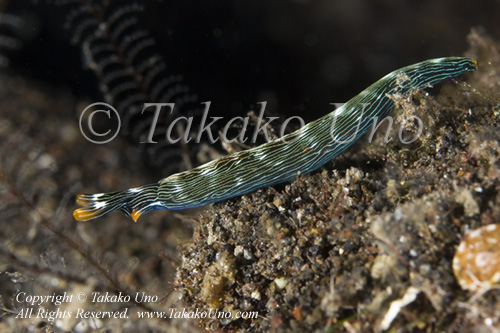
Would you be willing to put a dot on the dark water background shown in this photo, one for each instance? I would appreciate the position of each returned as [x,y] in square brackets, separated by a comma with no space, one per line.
[298,55]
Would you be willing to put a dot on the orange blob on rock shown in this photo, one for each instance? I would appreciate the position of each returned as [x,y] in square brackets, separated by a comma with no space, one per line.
[476,263]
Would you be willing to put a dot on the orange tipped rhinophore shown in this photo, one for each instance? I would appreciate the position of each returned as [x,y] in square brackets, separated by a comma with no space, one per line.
[94,205]
[82,200]
[84,214]
[128,201]
[136,213]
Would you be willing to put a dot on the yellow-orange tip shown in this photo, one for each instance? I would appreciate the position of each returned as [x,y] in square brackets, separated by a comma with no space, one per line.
[474,61]
[82,214]
[80,199]
[136,213]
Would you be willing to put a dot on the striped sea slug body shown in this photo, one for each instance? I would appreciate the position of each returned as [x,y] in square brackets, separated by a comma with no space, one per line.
[278,161]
